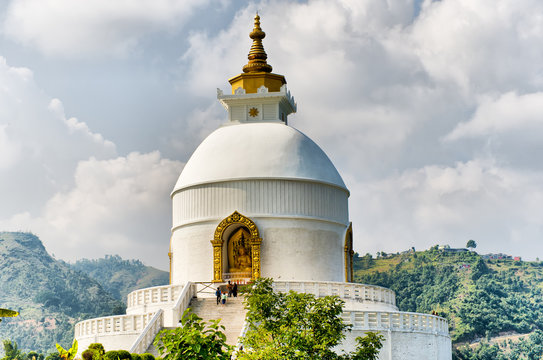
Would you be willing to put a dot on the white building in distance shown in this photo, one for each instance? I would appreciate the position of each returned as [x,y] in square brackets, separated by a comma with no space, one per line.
[260,199]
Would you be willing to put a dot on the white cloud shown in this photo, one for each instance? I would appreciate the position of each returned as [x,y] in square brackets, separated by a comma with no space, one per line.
[66,183]
[117,206]
[450,205]
[483,46]
[508,112]
[78,28]
[40,146]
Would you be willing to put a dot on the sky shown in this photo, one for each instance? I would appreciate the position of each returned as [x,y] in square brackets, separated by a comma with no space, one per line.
[432,112]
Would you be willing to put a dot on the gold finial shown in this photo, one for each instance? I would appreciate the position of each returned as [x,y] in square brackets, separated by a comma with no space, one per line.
[257,72]
[257,55]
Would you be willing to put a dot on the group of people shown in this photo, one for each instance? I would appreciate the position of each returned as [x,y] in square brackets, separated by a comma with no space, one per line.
[231,290]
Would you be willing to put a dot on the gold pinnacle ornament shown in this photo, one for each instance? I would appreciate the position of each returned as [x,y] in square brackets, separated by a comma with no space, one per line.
[257,56]
[257,72]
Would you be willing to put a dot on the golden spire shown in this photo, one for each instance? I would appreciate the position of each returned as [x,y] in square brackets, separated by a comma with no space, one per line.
[257,72]
[257,55]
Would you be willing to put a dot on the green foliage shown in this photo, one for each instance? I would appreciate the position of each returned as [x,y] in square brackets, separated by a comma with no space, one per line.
[12,351]
[7,313]
[67,354]
[147,356]
[364,262]
[118,355]
[194,339]
[471,244]
[89,355]
[368,347]
[98,348]
[135,356]
[479,298]
[529,348]
[49,295]
[297,326]
[119,277]
[53,356]
[479,269]
[111,355]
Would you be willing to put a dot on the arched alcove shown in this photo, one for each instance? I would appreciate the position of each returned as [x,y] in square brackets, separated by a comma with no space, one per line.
[236,248]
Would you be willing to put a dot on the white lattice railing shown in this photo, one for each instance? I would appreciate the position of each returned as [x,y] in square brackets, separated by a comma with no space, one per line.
[112,324]
[358,292]
[183,301]
[396,321]
[154,295]
[148,334]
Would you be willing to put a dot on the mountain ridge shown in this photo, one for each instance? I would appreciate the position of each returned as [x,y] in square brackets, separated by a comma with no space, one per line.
[52,295]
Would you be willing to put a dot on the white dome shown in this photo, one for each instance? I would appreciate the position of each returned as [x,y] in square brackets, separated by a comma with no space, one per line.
[257,150]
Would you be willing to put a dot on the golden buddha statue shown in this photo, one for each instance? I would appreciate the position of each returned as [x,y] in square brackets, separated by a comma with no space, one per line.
[239,257]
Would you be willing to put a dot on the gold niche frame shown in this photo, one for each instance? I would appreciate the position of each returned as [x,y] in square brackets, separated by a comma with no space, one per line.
[349,253]
[218,242]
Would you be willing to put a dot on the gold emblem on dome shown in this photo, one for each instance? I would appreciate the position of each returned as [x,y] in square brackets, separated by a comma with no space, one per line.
[253,112]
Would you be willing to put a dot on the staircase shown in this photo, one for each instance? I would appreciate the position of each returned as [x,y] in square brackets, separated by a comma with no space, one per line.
[232,316]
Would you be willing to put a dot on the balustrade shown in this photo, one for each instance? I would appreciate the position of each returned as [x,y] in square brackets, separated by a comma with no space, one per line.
[148,334]
[396,321]
[358,292]
[112,324]
[154,295]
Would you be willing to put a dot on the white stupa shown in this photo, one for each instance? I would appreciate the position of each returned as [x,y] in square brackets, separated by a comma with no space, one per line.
[260,199]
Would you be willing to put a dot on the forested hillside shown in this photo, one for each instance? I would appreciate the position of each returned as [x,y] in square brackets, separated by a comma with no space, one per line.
[119,277]
[49,295]
[52,295]
[480,298]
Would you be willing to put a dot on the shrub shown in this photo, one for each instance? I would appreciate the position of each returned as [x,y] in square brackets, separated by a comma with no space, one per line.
[147,356]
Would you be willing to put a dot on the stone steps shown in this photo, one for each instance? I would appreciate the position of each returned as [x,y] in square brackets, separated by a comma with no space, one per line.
[232,316]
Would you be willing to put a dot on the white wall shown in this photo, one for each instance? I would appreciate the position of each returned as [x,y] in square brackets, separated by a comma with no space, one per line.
[302,225]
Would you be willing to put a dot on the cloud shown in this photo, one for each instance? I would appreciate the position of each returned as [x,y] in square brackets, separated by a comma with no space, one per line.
[67,184]
[508,112]
[40,146]
[482,46]
[79,28]
[117,206]
[450,205]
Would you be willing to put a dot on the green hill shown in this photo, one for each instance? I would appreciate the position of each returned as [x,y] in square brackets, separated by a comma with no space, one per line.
[480,298]
[119,277]
[49,295]
[52,295]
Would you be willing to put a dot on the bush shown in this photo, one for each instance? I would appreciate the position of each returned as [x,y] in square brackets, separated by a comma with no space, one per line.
[147,356]
[112,355]
[88,355]
[135,356]
[99,348]
[123,354]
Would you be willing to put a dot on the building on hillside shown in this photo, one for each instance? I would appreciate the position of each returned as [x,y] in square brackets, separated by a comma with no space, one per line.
[498,256]
[260,199]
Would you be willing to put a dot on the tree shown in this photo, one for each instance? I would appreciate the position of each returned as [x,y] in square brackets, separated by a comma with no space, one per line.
[12,351]
[297,326]
[67,354]
[194,339]
[471,244]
